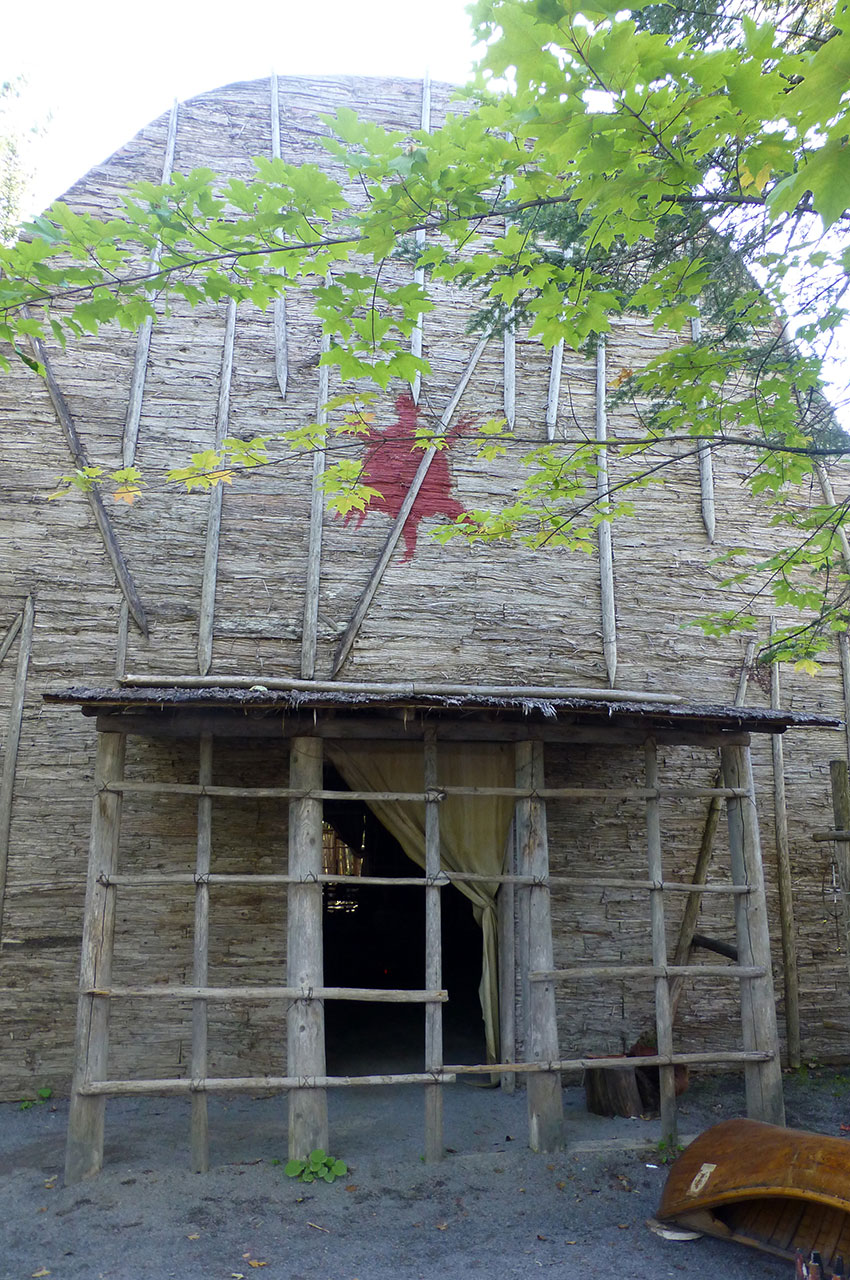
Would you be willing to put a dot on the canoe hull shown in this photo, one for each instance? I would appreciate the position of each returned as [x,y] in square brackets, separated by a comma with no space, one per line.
[774,1189]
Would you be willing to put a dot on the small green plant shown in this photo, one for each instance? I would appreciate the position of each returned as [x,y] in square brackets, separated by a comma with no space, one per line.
[42,1096]
[317,1165]
[668,1151]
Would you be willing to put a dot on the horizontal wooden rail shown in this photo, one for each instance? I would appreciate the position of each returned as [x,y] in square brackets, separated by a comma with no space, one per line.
[262,793]
[251,1084]
[371,995]
[821,836]
[404,689]
[620,1063]
[239,880]
[673,886]
[440,793]
[648,971]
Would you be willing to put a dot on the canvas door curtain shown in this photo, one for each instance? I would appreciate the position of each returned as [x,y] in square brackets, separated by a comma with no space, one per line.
[473,830]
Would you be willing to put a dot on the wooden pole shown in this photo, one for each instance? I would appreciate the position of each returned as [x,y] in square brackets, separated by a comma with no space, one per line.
[841,812]
[843,640]
[663,1009]
[310,628]
[434,1144]
[281,338]
[509,345]
[121,639]
[200,1127]
[606,549]
[419,236]
[84,1152]
[758,1009]
[308,1108]
[13,742]
[9,638]
[207,615]
[143,339]
[506,904]
[554,394]
[101,515]
[400,521]
[705,462]
[784,881]
[407,688]
[545,1103]
[690,915]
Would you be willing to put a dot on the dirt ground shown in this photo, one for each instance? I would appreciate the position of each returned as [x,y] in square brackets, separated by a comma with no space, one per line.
[491,1207]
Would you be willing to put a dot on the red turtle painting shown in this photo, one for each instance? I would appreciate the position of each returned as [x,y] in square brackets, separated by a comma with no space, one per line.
[391,461]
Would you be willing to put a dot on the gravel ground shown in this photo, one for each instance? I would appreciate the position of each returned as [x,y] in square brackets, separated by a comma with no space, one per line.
[490,1207]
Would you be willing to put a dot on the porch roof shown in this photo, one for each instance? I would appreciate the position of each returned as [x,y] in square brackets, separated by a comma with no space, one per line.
[264,698]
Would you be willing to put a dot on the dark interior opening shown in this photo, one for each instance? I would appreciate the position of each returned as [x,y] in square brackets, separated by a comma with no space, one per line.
[374,936]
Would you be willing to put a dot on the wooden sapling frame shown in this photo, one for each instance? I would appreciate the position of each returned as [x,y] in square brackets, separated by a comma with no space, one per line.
[25,625]
[308,1108]
[784,881]
[210,579]
[545,1103]
[763,1080]
[101,515]
[84,1153]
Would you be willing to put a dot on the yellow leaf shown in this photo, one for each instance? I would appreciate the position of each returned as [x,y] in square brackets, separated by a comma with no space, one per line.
[220,477]
[42,1272]
[442,1226]
[127,493]
[762,177]
[196,1236]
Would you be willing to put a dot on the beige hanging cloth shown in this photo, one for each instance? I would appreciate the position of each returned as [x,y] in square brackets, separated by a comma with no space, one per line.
[473,829]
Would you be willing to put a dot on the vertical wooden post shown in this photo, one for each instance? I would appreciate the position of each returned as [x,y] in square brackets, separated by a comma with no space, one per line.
[506,901]
[308,1108]
[121,639]
[84,1152]
[706,466]
[200,1128]
[545,1103]
[143,338]
[310,630]
[13,742]
[843,641]
[784,882]
[841,814]
[663,1008]
[603,533]
[554,395]
[281,340]
[434,1146]
[210,578]
[419,236]
[523,932]
[758,1008]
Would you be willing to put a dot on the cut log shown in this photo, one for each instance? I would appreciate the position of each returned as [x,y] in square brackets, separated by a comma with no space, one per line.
[613,1092]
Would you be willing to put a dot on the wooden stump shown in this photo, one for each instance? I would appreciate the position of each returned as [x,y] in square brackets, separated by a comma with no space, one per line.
[612,1091]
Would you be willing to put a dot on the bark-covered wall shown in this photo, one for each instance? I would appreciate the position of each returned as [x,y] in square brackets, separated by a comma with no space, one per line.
[476,614]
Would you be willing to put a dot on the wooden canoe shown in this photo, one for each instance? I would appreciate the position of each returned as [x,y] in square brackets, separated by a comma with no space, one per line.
[783,1191]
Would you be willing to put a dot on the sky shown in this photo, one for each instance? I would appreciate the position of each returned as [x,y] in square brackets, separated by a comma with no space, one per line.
[98,73]
[94,76]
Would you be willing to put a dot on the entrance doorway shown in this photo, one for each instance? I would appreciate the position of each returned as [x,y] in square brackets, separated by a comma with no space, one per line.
[374,936]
